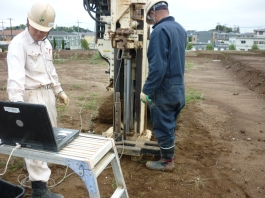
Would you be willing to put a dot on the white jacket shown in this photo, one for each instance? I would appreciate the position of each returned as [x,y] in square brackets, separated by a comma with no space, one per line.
[30,66]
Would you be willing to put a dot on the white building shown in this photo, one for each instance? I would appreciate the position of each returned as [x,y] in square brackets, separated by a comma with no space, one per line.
[71,40]
[260,33]
[244,42]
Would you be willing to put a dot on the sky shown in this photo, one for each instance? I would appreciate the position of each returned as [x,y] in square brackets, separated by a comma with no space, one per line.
[197,15]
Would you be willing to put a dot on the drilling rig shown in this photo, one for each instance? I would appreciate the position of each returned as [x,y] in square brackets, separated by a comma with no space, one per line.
[122,37]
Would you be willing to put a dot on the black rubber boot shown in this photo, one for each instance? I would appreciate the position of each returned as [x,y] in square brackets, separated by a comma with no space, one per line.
[40,190]
[166,163]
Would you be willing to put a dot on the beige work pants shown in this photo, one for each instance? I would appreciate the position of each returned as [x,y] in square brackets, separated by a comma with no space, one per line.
[38,170]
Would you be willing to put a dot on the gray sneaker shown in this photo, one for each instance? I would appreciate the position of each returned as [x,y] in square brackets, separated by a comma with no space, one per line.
[161,165]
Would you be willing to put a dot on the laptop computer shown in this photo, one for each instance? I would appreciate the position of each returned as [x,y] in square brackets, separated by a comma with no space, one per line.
[29,125]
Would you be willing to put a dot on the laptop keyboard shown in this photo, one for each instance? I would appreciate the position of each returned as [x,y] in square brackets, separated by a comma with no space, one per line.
[60,138]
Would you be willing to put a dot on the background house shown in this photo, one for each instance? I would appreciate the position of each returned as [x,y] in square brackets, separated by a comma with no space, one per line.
[189,35]
[90,37]
[202,37]
[244,42]
[71,40]
[8,35]
[259,33]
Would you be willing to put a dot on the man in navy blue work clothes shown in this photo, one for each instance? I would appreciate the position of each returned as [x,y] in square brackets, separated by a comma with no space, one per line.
[164,87]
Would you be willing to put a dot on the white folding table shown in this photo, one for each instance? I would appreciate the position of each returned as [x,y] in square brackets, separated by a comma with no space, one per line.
[87,155]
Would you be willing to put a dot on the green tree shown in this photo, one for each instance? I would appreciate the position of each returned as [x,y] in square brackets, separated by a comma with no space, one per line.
[209,47]
[54,43]
[63,44]
[22,26]
[189,46]
[255,47]
[84,44]
[232,47]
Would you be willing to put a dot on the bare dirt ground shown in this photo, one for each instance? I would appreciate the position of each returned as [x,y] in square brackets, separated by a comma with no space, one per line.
[220,137]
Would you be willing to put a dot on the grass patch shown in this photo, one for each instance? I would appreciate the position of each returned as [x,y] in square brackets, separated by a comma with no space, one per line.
[96,58]
[73,57]
[113,184]
[91,103]
[60,111]
[82,97]
[2,164]
[193,96]
[76,86]
[58,61]
[189,65]
[15,166]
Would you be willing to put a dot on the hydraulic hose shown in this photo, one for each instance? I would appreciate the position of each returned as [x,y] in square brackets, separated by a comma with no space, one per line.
[89,10]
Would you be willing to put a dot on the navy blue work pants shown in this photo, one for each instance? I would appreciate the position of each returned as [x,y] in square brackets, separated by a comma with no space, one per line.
[164,110]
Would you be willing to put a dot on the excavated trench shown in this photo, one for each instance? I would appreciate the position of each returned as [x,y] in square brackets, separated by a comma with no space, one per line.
[249,68]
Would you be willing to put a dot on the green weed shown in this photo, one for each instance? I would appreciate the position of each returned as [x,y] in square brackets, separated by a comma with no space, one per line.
[113,184]
[91,104]
[73,57]
[177,170]
[96,58]
[58,61]
[60,111]
[76,86]
[193,96]
[15,166]
[189,65]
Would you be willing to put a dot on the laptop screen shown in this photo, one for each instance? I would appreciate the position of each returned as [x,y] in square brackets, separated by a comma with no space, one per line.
[27,124]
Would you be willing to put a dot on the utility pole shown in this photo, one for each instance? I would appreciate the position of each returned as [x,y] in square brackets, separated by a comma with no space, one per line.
[234,28]
[78,32]
[3,27]
[218,24]
[11,28]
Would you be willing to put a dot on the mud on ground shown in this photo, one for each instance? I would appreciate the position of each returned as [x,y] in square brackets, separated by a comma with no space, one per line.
[220,138]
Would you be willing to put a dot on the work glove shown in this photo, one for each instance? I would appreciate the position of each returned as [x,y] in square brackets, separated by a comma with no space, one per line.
[145,98]
[63,98]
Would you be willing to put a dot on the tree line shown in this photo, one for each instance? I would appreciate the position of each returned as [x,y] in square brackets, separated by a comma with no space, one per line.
[56,28]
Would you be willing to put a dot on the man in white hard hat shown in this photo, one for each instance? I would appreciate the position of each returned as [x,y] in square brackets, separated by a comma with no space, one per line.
[32,78]
[164,87]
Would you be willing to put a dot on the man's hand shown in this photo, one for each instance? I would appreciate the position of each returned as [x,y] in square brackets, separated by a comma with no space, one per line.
[145,98]
[63,98]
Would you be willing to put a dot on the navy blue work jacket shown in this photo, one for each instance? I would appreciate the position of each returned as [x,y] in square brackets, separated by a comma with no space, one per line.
[166,56]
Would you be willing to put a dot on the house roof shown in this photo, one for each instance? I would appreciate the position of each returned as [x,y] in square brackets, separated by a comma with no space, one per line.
[202,32]
[90,34]
[263,30]
[248,34]
[58,33]
[14,32]
[190,32]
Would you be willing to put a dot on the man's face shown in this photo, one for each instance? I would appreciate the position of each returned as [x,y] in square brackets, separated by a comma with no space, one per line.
[36,34]
[152,15]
